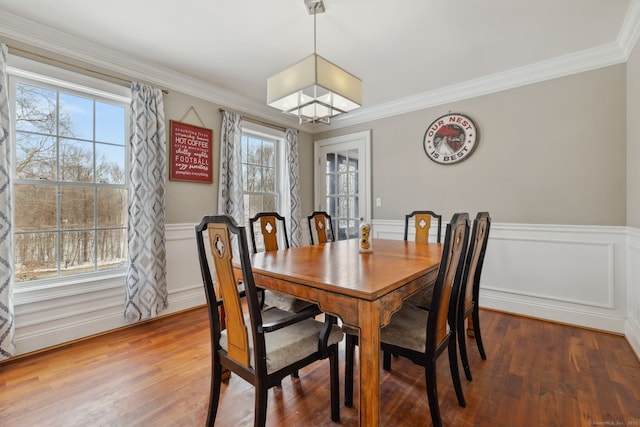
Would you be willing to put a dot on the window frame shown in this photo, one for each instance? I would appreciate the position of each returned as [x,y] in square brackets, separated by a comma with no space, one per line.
[61,80]
[267,133]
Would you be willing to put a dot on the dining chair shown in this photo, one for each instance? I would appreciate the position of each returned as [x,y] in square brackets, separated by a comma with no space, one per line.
[273,232]
[262,346]
[421,335]
[320,224]
[469,308]
[422,225]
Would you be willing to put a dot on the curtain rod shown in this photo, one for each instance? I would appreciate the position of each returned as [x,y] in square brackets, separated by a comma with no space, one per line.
[260,122]
[77,67]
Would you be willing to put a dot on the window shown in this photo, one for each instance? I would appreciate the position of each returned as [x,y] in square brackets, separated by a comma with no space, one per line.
[70,178]
[261,174]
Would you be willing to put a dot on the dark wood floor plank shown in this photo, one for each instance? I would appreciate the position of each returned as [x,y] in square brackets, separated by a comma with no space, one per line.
[536,373]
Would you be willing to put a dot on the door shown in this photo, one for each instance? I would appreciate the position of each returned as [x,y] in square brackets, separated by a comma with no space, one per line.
[343,181]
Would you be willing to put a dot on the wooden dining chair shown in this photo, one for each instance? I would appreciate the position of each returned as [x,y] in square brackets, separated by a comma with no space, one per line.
[422,224]
[422,221]
[262,346]
[421,335]
[321,225]
[273,232]
[469,308]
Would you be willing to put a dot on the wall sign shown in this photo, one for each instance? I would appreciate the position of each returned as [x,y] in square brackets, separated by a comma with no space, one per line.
[450,139]
[191,153]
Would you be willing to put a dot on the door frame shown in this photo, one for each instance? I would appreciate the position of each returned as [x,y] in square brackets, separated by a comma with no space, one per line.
[365,138]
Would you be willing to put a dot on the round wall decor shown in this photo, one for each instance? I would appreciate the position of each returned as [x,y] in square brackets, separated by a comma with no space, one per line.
[450,139]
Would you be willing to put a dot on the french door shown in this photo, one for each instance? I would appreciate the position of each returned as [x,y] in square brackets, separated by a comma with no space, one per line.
[343,181]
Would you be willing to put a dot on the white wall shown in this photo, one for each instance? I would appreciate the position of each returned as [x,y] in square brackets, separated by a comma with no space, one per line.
[570,274]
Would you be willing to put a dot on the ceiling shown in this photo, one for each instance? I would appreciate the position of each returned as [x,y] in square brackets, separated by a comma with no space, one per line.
[410,54]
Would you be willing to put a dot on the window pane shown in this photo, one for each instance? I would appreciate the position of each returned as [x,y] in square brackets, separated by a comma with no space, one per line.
[76,207]
[112,249]
[35,207]
[110,164]
[77,113]
[35,156]
[255,205]
[76,161]
[269,180]
[35,109]
[36,256]
[254,179]
[254,151]
[77,252]
[270,203]
[112,207]
[269,154]
[110,123]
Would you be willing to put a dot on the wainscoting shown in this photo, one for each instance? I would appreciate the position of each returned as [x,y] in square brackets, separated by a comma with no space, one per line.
[582,275]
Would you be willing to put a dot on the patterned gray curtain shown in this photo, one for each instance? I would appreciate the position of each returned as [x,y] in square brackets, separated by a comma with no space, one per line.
[7,343]
[293,176]
[146,275]
[230,201]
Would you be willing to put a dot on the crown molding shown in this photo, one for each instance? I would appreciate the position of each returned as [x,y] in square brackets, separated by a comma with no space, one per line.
[59,43]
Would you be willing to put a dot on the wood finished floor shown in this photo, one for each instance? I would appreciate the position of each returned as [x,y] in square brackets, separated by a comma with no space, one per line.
[157,374]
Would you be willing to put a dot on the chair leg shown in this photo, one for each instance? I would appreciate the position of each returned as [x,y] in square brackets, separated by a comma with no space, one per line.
[476,326]
[335,383]
[386,360]
[432,393]
[260,418]
[350,347]
[455,373]
[462,344]
[295,374]
[214,393]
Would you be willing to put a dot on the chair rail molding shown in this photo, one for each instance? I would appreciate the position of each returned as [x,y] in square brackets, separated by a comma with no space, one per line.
[586,276]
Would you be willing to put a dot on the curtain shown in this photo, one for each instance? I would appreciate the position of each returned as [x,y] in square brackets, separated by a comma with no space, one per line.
[293,184]
[7,327]
[146,276]
[230,199]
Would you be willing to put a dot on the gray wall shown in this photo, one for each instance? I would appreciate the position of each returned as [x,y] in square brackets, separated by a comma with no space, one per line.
[188,202]
[549,153]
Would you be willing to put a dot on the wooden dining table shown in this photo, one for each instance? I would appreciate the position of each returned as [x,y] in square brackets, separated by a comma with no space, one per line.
[362,289]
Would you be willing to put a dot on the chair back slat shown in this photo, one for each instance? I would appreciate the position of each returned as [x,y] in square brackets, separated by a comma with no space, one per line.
[269,229]
[422,223]
[237,334]
[477,247]
[445,296]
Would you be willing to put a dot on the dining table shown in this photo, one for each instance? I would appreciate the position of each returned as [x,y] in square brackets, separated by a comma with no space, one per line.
[361,289]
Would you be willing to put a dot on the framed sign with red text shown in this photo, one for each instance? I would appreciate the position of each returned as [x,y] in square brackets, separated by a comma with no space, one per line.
[450,139]
[191,153]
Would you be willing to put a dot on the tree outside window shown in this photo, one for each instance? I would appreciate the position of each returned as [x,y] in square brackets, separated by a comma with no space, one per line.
[69,182]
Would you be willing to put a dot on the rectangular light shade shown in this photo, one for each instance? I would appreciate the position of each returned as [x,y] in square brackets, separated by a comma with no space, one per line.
[314,89]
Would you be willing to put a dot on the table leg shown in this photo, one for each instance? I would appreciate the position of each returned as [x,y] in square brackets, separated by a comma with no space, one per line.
[369,322]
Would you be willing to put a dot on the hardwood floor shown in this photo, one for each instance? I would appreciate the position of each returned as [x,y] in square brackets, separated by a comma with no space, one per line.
[157,374]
